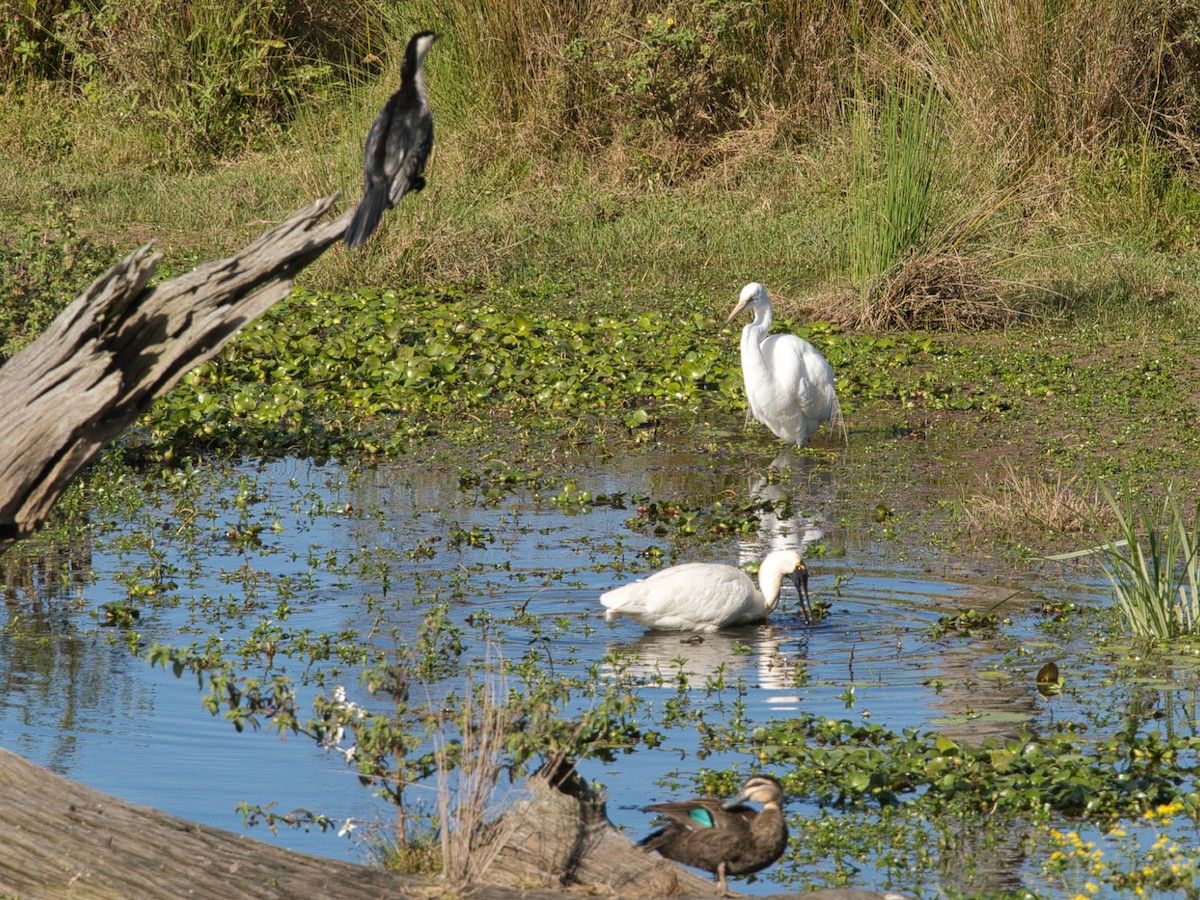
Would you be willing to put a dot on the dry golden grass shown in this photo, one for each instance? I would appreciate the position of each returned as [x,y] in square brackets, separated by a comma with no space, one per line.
[1020,504]
[932,291]
[471,834]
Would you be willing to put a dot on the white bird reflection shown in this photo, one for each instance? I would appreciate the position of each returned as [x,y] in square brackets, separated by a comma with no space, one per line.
[755,654]
[791,532]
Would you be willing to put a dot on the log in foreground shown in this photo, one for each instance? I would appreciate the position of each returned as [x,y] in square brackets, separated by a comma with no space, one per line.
[119,345]
[63,839]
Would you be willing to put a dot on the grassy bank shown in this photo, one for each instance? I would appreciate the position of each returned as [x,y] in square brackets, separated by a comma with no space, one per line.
[643,153]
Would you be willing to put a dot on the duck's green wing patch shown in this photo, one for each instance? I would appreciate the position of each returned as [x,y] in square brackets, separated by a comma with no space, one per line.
[703,816]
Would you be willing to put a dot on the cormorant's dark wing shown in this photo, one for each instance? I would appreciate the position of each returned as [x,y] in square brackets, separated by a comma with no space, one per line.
[409,141]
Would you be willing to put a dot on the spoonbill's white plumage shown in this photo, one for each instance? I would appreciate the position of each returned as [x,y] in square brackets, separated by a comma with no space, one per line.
[708,596]
[788,383]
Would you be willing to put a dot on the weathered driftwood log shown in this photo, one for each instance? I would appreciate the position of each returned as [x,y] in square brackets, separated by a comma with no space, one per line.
[120,345]
[62,839]
[562,837]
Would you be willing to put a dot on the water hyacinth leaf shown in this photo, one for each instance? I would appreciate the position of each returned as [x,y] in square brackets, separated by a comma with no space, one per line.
[637,418]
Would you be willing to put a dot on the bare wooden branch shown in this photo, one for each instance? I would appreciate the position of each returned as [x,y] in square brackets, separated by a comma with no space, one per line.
[120,345]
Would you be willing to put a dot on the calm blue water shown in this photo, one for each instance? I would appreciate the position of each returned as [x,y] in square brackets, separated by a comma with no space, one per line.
[366,551]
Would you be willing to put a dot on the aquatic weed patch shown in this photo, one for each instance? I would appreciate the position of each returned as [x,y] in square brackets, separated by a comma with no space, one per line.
[838,762]
[926,814]
[374,371]
[378,372]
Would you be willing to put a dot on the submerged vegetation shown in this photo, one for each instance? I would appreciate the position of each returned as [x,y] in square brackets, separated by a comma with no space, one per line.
[605,178]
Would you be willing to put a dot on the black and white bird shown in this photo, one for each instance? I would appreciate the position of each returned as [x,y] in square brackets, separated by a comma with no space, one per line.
[397,145]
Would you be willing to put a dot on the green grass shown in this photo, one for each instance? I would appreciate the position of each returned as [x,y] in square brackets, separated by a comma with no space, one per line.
[690,147]
[896,147]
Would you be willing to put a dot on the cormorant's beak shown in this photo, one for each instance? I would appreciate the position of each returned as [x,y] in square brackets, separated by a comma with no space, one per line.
[799,578]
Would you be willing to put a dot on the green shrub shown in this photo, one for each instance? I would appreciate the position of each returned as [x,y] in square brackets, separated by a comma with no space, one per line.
[43,267]
[213,76]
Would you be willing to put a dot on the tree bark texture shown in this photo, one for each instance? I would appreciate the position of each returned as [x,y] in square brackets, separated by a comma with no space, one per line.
[119,345]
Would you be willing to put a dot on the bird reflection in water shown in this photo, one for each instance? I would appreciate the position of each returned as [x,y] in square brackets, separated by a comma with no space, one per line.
[755,654]
[786,523]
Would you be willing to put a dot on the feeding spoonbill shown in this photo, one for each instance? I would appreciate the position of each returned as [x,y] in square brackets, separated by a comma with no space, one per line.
[708,596]
[788,383]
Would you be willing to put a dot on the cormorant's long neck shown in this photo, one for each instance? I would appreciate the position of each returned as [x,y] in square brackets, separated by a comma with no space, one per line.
[412,73]
[419,82]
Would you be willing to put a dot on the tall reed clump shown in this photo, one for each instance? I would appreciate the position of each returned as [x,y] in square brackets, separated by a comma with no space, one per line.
[1037,79]
[1152,560]
[896,145]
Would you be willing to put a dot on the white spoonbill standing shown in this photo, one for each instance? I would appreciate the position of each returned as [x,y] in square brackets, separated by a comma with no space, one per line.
[788,383]
[708,596]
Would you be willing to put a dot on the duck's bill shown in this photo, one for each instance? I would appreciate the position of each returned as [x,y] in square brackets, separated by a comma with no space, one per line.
[736,800]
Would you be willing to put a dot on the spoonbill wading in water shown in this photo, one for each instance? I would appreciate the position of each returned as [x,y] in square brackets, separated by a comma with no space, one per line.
[708,596]
[788,383]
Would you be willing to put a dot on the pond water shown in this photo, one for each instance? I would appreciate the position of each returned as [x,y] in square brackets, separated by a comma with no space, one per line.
[266,552]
